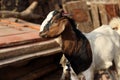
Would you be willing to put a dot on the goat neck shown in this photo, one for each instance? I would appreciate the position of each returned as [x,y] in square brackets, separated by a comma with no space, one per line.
[77,49]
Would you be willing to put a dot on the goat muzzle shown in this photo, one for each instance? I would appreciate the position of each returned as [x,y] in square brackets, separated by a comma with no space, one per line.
[43,34]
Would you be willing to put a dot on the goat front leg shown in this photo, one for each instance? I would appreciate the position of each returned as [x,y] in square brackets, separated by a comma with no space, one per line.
[66,69]
[89,73]
[66,76]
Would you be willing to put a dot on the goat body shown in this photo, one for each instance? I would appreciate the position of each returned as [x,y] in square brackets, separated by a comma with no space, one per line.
[105,45]
[86,52]
[115,24]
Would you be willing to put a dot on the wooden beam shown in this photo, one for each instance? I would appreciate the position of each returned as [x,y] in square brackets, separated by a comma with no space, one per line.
[38,73]
[103,14]
[112,10]
[95,15]
[30,69]
[14,54]
[78,10]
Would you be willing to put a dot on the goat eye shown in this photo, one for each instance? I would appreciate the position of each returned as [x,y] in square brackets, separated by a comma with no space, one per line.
[115,28]
[55,21]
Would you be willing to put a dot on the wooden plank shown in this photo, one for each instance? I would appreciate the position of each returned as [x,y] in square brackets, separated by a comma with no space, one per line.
[19,39]
[12,31]
[106,11]
[32,67]
[95,15]
[79,12]
[56,75]
[119,3]
[103,14]
[21,23]
[39,72]
[112,10]
[17,33]
[27,49]
[1,25]
[9,31]
[8,61]
[15,54]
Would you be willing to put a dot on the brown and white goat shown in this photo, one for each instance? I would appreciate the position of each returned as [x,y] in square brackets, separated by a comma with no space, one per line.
[86,52]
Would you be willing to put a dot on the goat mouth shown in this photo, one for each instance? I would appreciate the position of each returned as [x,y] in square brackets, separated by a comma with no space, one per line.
[43,34]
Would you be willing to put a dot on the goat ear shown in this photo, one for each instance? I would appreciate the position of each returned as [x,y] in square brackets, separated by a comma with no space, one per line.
[62,26]
[58,28]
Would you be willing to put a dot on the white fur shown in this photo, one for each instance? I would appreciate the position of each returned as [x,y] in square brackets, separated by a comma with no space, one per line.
[105,44]
[115,23]
[63,62]
[59,40]
[48,18]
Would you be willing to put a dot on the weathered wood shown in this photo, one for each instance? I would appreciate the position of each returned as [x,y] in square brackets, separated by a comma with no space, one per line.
[95,15]
[18,24]
[28,48]
[12,31]
[8,61]
[79,12]
[119,3]
[1,26]
[18,32]
[12,40]
[16,49]
[38,73]
[103,14]
[29,51]
[112,10]
[31,69]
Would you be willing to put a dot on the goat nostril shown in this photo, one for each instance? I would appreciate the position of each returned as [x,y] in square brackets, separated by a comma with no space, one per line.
[39,34]
[42,34]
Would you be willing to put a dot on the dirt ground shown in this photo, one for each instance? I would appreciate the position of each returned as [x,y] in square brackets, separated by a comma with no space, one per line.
[101,75]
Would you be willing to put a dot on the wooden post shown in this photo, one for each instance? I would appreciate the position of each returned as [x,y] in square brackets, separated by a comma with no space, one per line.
[112,10]
[95,15]
[80,13]
[119,3]
[103,15]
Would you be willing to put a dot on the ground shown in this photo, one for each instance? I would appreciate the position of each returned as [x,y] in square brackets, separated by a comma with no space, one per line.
[55,75]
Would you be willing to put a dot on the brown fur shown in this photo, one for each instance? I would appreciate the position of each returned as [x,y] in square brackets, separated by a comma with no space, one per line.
[75,48]
[75,45]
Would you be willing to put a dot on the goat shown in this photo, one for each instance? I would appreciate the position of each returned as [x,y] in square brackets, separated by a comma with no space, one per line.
[115,24]
[86,52]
